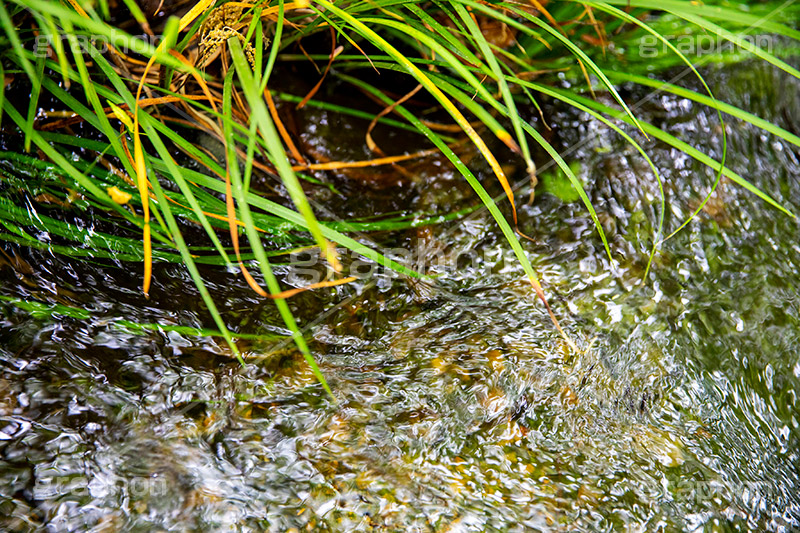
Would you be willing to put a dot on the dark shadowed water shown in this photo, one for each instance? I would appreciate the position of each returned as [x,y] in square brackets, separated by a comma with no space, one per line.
[458,407]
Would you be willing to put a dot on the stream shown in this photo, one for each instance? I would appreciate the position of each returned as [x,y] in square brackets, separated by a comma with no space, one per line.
[458,406]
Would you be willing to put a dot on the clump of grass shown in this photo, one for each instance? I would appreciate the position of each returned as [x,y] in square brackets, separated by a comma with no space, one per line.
[211,72]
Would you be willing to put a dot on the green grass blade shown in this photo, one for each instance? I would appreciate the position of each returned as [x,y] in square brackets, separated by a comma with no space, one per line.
[242,69]
[468,102]
[16,45]
[715,12]
[175,171]
[742,43]
[559,37]
[487,200]
[710,102]
[269,133]
[489,57]
[683,147]
[33,103]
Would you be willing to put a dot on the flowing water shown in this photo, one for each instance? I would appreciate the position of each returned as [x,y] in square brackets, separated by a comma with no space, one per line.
[458,407]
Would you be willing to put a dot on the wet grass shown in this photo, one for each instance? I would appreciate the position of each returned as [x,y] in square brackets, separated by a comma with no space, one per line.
[102,125]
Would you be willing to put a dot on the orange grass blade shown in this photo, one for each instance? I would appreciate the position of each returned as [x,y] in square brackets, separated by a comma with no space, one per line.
[540,293]
[547,15]
[330,283]
[109,111]
[336,165]
[197,77]
[282,129]
[232,225]
[335,51]
[388,109]
[601,34]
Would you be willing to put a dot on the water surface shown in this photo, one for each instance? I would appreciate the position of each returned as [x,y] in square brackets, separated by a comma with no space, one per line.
[458,406]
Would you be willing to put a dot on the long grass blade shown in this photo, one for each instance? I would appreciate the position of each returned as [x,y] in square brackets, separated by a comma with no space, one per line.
[487,200]
[245,76]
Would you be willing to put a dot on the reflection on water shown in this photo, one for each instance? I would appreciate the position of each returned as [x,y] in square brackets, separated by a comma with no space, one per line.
[458,407]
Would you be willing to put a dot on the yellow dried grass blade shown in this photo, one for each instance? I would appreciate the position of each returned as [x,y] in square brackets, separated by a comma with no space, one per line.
[121,115]
[78,8]
[138,154]
[141,182]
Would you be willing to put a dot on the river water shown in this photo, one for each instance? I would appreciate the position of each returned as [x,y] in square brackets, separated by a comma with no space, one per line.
[457,405]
